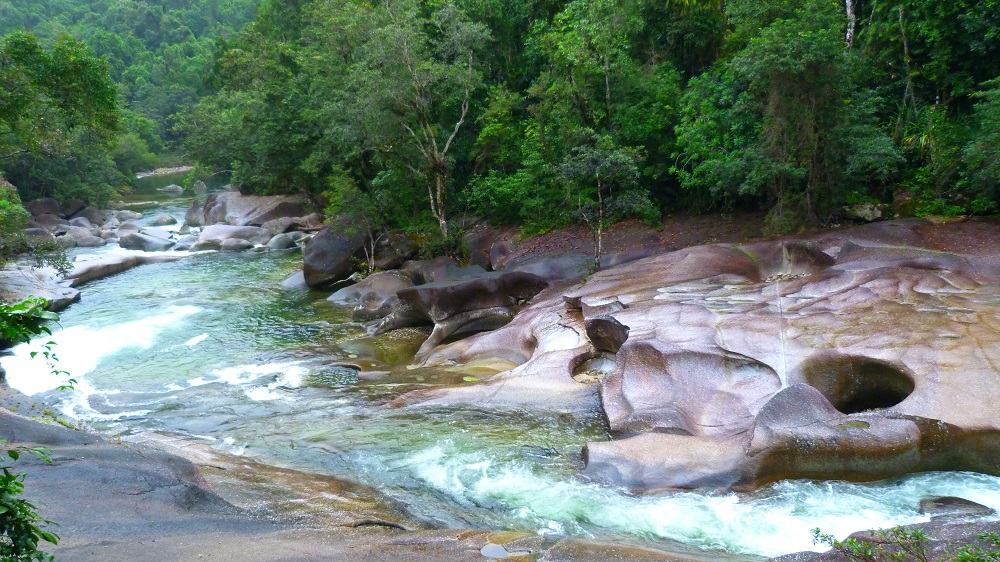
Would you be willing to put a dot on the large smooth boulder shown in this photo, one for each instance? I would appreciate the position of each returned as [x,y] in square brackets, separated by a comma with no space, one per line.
[126,215]
[172,188]
[283,224]
[93,267]
[328,257]
[395,248]
[235,245]
[860,353]
[281,242]
[232,207]
[144,242]
[77,232]
[44,206]
[217,233]
[81,222]
[20,282]
[91,242]
[163,220]
[70,207]
[295,282]
[38,235]
[49,221]
[94,215]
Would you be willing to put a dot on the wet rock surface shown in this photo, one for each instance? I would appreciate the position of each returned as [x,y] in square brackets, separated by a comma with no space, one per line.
[184,501]
[859,354]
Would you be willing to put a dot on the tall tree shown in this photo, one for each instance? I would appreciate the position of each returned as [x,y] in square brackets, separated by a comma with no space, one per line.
[422,69]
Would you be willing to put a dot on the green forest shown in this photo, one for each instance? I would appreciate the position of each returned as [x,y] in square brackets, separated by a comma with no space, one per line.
[538,113]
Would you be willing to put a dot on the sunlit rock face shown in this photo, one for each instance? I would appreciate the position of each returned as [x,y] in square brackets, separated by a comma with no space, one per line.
[858,354]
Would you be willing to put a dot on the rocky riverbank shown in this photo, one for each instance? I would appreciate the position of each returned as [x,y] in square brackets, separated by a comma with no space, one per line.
[166,498]
[719,362]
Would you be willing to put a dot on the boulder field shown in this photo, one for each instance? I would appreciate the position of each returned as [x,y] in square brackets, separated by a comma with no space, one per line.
[860,354]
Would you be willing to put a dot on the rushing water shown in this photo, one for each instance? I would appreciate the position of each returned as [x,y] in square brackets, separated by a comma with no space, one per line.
[212,347]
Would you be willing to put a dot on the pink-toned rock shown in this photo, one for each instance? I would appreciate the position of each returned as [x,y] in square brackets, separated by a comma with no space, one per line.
[859,353]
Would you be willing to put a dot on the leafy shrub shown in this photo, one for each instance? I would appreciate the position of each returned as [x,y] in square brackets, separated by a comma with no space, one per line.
[21,528]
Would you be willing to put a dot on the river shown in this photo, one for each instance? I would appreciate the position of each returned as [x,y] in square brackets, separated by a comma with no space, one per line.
[213,348]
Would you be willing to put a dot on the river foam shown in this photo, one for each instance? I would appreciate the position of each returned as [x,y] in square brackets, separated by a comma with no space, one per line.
[774,521]
[80,348]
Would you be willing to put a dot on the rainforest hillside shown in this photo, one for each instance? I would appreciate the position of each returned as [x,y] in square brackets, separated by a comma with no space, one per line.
[545,112]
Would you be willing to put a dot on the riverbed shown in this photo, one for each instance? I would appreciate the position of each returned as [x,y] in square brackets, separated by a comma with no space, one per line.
[213,348]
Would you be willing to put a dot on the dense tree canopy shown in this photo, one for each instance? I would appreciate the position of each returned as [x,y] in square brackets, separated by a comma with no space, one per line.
[496,108]
[519,111]
[152,59]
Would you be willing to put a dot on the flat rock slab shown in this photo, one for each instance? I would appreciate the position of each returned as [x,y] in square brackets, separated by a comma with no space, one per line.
[120,503]
[19,282]
[99,266]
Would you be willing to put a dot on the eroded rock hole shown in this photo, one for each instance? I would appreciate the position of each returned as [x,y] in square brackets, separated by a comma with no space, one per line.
[858,384]
[594,369]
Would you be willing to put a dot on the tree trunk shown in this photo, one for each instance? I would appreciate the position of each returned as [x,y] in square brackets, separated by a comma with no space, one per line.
[599,238]
[851,22]
[908,59]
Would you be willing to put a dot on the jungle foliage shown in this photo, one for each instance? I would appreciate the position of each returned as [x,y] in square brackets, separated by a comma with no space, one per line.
[510,110]
[435,108]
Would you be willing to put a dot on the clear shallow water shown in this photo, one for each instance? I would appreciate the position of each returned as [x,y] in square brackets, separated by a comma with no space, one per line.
[212,347]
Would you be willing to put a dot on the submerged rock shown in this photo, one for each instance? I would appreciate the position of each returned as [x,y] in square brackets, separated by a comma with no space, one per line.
[373,297]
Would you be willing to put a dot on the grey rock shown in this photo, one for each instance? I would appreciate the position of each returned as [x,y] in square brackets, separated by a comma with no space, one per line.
[91,242]
[95,216]
[952,507]
[38,235]
[44,206]
[281,242]
[206,245]
[144,242]
[126,215]
[50,221]
[328,257]
[195,215]
[232,207]
[220,232]
[373,297]
[235,245]
[70,207]
[163,220]
[606,333]
[295,282]
[283,224]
